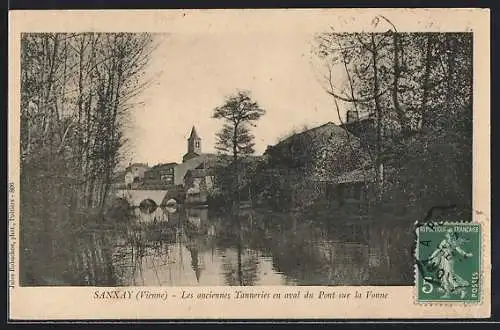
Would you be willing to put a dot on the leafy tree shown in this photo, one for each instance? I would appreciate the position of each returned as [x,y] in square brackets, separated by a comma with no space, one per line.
[239,113]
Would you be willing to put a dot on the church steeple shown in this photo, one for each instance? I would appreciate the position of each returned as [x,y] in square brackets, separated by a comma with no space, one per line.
[194,145]
[194,142]
[193,134]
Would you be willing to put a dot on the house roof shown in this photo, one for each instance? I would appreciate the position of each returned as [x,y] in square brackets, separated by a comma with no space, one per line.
[163,166]
[326,128]
[359,125]
[192,163]
[140,164]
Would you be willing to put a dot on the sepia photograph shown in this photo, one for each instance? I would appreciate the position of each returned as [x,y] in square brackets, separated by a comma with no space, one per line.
[203,159]
[256,164]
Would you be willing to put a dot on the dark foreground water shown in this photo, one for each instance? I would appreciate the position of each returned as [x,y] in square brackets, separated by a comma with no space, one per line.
[194,247]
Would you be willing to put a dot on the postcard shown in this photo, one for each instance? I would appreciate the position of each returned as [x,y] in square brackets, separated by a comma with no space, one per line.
[249,164]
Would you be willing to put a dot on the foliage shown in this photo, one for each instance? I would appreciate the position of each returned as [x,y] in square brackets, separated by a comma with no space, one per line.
[239,113]
[225,184]
[417,89]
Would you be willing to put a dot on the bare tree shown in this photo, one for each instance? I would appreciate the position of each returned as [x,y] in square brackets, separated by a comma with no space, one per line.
[76,91]
[411,85]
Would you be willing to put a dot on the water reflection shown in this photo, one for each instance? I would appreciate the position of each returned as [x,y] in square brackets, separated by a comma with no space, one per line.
[193,247]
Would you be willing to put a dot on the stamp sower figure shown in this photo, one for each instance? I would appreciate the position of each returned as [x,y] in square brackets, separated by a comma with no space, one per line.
[443,260]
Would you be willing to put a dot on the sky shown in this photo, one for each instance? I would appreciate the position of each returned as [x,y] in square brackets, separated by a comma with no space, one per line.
[193,72]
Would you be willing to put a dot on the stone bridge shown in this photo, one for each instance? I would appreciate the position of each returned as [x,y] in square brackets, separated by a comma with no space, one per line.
[137,197]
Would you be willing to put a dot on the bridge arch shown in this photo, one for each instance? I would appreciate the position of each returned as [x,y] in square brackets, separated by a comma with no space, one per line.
[136,197]
[148,206]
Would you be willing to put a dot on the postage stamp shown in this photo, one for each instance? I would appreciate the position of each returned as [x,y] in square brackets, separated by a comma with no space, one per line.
[448,260]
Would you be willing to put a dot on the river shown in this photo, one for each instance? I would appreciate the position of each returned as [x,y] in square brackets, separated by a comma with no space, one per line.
[195,247]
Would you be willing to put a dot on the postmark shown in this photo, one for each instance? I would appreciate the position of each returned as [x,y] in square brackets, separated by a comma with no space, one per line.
[448,262]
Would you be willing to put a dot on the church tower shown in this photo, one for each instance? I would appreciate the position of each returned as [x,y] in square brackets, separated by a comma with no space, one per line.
[194,145]
[194,142]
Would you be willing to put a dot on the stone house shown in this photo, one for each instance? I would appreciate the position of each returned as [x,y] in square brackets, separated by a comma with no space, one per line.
[351,187]
[161,174]
[303,167]
[135,173]
[198,183]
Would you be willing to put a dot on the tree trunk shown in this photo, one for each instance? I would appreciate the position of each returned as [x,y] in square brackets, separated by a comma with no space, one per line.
[236,180]
[380,129]
[395,88]
[425,94]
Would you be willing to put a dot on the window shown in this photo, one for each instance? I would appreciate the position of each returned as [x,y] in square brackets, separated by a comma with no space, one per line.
[166,178]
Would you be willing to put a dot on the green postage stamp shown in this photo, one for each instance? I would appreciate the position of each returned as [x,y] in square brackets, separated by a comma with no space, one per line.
[448,262]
